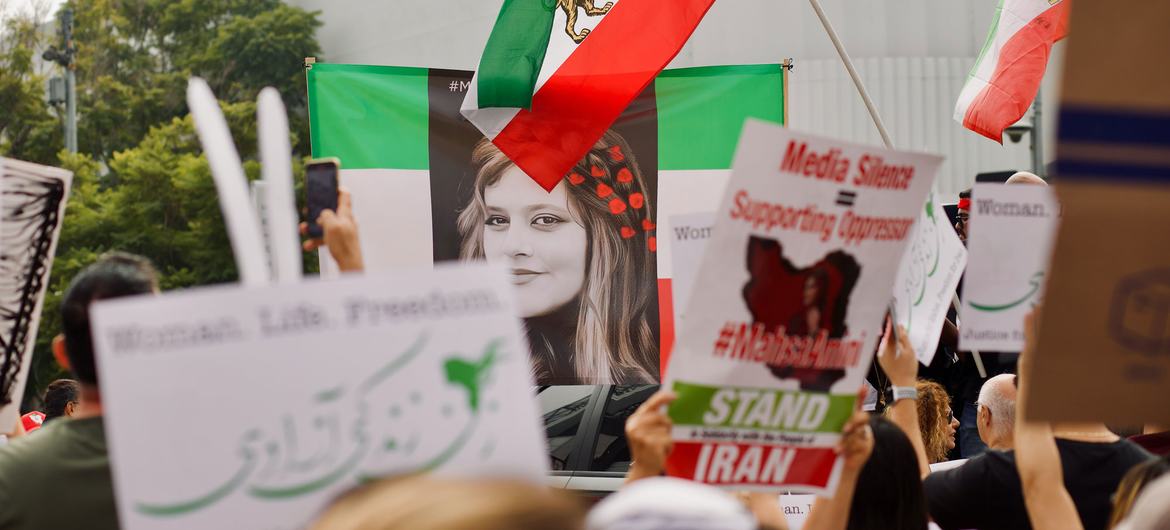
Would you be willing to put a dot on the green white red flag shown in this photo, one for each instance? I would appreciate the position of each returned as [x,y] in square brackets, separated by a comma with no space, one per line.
[1007,74]
[556,74]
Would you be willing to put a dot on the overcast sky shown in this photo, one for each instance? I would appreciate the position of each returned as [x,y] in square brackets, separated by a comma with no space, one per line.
[12,7]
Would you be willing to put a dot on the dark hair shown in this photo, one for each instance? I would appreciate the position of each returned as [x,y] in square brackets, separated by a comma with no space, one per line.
[58,395]
[113,275]
[889,489]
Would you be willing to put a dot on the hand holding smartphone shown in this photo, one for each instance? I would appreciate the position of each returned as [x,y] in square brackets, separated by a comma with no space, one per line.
[320,191]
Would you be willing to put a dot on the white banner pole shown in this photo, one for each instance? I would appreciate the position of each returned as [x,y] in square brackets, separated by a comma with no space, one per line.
[276,170]
[243,225]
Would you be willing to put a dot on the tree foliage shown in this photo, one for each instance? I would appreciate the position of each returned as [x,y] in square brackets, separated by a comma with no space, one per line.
[141,183]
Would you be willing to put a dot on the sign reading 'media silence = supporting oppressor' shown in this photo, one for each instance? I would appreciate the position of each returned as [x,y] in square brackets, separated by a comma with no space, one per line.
[788,305]
[279,399]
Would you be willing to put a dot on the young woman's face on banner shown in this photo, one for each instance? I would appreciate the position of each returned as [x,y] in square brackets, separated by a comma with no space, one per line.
[533,233]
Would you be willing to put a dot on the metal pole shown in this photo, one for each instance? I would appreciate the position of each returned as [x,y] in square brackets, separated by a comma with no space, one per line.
[1037,137]
[70,82]
[873,113]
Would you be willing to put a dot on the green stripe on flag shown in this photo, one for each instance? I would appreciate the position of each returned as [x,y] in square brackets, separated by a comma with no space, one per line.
[369,116]
[701,111]
[514,53]
[788,411]
[990,39]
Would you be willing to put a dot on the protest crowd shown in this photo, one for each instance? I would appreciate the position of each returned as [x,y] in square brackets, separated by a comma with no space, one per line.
[807,390]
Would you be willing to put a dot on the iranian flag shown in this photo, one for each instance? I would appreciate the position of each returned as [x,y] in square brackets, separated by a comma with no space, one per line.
[406,153]
[555,75]
[1007,74]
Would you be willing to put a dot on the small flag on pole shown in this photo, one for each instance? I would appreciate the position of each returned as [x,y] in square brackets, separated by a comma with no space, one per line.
[555,74]
[1007,74]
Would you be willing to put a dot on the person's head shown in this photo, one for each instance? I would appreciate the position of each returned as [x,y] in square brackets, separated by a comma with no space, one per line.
[963,214]
[997,412]
[1132,485]
[113,275]
[1151,511]
[431,503]
[889,489]
[586,246]
[61,397]
[666,503]
[1024,177]
[936,420]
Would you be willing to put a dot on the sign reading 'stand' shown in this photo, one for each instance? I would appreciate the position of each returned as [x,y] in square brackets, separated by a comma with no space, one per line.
[278,399]
[787,307]
[1011,233]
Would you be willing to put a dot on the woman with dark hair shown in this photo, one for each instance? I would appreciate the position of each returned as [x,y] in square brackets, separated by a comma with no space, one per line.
[581,257]
[808,322]
[1132,485]
[889,490]
[61,398]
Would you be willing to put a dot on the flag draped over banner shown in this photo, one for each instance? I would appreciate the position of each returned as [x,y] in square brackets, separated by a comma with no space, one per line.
[1007,74]
[548,87]
[408,158]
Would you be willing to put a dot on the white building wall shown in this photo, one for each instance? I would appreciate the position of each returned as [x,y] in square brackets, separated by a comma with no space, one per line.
[914,55]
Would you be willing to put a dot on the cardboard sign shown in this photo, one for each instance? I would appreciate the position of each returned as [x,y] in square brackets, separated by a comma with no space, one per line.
[1104,340]
[1010,239]
[927,278]
[788,307]
[279,399]
[32,206]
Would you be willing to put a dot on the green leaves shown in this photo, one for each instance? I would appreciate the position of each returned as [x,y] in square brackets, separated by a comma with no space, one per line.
[141,183]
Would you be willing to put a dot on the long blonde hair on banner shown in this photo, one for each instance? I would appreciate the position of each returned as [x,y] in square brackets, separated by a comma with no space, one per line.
[613,342]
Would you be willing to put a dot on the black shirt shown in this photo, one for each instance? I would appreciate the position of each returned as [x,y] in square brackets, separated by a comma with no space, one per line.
[985,493]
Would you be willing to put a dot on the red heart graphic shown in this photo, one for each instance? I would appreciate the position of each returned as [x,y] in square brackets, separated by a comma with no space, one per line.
[616,206]
[636,200]
[604,191]
[627,232]
[597,172]
[576,178]
[624,176]
[647,225]
[653,243]
[615,153]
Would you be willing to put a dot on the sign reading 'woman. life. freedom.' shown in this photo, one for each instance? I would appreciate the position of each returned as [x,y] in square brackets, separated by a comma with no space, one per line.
[1011,234]
[280,398]
[787,307]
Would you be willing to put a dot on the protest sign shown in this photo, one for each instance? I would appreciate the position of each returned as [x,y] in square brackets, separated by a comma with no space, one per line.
[796,509]
[1104,339]
[788,307]
[32,205]
[1010,239]
[689,234]
[277,399]
[423,178]
[927,278]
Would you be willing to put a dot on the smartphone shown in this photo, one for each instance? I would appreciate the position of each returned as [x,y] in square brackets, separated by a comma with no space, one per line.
[320,190]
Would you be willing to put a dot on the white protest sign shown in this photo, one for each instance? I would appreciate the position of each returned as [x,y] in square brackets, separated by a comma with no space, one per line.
[796,509]
[277,399]
[927,278]
[32,207]
[788,306]
[689,234]
[1010,238]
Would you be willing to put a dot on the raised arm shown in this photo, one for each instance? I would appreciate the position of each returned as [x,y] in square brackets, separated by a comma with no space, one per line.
[855,446]
[896,356]
[341,234]
[1049,504]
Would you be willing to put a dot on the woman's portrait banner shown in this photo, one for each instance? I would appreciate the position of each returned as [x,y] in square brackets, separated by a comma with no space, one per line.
[591,271]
